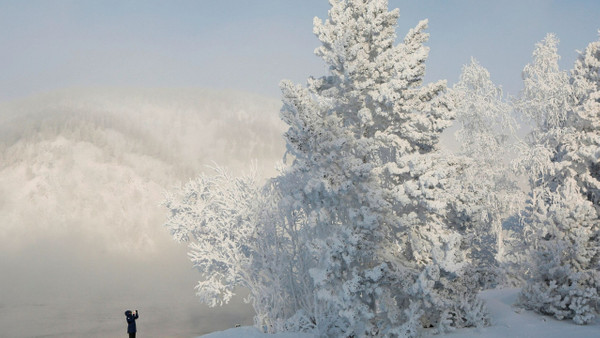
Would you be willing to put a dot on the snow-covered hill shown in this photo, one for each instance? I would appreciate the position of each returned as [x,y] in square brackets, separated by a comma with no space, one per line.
[507,321]
[97,161]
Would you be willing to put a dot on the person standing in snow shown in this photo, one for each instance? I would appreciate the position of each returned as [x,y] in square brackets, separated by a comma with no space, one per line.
[131,317]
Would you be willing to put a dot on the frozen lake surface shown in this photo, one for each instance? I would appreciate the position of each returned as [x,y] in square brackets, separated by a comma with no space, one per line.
[51,292]
[104,318]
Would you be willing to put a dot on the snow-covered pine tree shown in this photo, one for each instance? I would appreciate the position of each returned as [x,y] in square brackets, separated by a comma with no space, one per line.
[489,189]
[544,100]
[586,81]
[357,236]
[363,141]
[561,214]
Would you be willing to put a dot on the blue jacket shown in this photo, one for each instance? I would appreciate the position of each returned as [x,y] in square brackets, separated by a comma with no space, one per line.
[131,321]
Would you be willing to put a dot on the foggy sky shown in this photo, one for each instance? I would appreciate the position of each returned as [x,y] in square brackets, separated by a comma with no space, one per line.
[252,45]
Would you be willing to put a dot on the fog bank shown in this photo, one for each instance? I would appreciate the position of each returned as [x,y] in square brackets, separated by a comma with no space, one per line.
[82,174]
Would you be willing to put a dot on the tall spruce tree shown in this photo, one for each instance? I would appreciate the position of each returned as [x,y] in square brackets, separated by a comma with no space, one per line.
[367,176]
[586,81]
[358,236]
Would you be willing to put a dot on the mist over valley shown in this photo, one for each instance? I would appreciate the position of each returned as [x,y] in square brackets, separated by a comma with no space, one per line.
[82,176]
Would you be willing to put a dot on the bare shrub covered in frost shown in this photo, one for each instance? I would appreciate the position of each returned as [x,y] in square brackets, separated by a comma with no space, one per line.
[238,238]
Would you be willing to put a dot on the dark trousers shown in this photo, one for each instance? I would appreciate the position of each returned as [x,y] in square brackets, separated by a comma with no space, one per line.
[132,335]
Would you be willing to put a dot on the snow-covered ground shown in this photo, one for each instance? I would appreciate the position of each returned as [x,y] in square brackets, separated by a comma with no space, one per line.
[251,332]
[507,321]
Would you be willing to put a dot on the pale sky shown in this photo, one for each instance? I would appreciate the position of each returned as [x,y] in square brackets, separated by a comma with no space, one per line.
[253,45]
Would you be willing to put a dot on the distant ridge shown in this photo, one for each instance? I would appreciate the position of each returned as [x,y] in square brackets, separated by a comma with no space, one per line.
[94,163]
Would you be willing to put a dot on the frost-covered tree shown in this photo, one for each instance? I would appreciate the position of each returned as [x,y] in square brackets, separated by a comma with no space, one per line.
[373,189]
[545,100]
[490,192]
[561,215]
[237,239]
[584,149]
[357,236]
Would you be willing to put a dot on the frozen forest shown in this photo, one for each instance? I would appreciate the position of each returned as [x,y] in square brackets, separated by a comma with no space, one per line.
[370,228]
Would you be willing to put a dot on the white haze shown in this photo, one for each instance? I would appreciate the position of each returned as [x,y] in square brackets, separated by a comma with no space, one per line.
[82,173]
